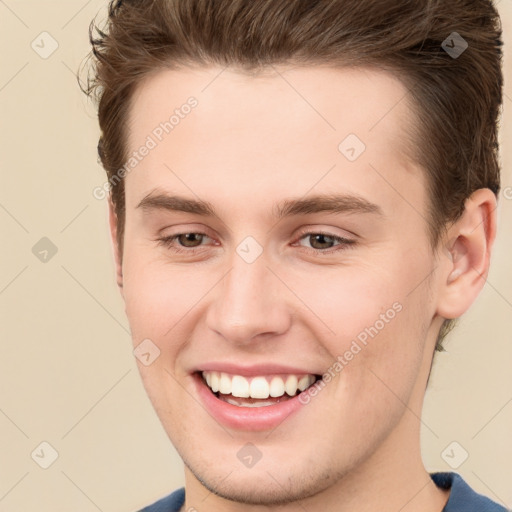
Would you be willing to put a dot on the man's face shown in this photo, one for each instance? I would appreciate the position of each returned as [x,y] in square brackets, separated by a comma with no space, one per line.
[279,300]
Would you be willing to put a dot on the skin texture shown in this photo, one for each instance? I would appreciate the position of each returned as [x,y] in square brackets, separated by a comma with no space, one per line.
[251,142]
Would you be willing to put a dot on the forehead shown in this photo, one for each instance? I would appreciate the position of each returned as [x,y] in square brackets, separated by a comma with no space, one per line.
[368,100]
[285,126]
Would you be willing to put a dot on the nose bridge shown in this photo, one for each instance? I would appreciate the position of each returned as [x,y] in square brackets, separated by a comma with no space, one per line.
[245,281]
[246,302]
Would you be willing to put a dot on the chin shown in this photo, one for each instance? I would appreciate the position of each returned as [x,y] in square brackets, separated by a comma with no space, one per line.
[264,487]
[276,479]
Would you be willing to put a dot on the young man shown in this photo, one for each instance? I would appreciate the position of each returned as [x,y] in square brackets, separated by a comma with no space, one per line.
[303,195]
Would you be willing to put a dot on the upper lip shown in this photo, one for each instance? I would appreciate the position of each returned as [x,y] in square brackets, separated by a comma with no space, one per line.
[254,370]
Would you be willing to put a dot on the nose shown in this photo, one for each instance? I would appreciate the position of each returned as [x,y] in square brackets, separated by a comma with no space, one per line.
[249,303]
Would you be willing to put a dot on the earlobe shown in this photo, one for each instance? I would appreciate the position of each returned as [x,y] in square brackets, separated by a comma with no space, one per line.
[465,263]
[115,245]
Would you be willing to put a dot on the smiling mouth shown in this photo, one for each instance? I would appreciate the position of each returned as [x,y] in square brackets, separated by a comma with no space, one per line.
[258,391]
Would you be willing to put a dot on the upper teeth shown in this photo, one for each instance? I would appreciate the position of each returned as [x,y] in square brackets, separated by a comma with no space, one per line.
[257,387]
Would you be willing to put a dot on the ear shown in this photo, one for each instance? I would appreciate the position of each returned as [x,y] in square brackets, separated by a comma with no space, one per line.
[467,254]
[112,217]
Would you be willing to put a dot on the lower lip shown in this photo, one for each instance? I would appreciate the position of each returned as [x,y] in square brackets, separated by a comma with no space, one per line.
[246,418]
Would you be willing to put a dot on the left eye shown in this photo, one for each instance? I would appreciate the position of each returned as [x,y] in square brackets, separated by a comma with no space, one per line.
[324,241]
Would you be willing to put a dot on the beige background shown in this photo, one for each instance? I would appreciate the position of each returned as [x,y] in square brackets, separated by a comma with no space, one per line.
[67,373]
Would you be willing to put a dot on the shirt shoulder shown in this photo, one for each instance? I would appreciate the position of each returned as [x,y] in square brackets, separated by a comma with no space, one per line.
[462,497]
[171,503]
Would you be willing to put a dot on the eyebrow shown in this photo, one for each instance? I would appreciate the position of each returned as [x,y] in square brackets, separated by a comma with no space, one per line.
[325,203]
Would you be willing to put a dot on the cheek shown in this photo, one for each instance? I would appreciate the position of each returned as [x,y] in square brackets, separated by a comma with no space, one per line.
[374,318]
[349,301]
[158,297]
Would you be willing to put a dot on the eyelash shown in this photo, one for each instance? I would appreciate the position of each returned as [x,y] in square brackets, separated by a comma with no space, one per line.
[343,243]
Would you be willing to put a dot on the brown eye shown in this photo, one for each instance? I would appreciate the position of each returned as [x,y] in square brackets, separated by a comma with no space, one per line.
[324,243]
[320,241]
[190,239]
[185,243]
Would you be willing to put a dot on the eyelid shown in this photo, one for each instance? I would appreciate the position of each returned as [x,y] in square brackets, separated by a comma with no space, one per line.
[185,228]
[311,230]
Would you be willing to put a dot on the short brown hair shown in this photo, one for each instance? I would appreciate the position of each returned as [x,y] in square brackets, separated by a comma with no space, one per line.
[457,98]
